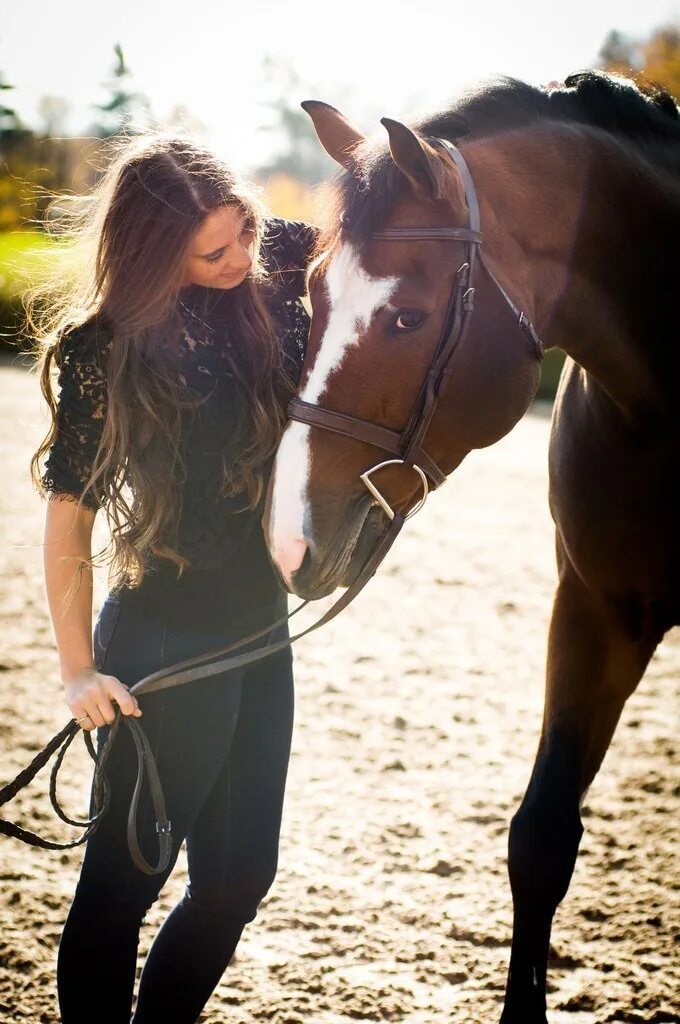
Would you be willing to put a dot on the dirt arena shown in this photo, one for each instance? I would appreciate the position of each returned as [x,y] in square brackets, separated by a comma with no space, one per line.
[416,724]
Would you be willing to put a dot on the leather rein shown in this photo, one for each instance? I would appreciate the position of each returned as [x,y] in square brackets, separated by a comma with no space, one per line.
[406,448]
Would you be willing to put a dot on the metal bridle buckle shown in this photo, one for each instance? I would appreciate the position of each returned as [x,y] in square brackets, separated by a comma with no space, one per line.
[366,479]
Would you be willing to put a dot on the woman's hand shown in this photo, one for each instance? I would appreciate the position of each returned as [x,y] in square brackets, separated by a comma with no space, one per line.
[89,695]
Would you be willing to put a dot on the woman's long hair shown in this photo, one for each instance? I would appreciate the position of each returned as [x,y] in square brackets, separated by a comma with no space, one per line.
[120,256]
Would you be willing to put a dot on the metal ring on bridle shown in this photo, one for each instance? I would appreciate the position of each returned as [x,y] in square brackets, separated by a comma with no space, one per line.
[382,501]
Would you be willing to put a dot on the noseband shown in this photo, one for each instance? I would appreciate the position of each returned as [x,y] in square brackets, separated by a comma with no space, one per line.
[407,444]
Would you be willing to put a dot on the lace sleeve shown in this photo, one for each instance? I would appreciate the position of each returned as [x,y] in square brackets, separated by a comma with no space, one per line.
[288,247]
[81,409]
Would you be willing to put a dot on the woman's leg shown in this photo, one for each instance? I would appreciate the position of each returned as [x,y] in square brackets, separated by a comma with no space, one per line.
[98,948]
[190,731]
[232,852]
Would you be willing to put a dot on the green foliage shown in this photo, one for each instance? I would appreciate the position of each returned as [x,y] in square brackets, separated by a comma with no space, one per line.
[18,250]
[20,258]
[34,164]
[31,164]
[655,59]
[9,119]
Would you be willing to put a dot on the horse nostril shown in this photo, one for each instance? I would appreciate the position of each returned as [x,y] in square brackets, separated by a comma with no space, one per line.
[291,557]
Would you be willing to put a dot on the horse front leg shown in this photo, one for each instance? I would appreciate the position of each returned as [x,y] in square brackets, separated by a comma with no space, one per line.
[593,666]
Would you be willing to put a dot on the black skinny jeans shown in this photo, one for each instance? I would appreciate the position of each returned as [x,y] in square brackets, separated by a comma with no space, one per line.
[222,747]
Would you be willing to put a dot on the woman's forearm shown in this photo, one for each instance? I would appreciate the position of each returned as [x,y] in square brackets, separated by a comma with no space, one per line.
[68,582]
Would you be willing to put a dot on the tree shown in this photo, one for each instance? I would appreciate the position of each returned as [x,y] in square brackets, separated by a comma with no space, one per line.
[300,156]
[661,56]
[54,111]
[10,123]
[617,53]
[16,146]
[123,103]
[656,59]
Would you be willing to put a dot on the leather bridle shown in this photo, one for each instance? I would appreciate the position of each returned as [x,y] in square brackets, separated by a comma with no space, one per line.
[406,447]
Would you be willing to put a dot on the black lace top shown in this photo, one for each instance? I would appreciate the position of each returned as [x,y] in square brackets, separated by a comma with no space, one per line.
[211,529]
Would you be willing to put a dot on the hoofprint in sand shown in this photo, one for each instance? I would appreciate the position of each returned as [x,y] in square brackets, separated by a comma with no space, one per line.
[417,719]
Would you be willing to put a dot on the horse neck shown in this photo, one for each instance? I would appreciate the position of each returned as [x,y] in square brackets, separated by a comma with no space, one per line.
[584,233]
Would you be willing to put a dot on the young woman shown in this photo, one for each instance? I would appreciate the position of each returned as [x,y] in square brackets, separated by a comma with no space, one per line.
[178,337]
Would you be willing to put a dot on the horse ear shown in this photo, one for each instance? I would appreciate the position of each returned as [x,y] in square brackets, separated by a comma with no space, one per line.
[337,136]
[416,160]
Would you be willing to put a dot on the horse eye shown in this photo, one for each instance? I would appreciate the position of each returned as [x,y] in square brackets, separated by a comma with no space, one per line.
[409,320]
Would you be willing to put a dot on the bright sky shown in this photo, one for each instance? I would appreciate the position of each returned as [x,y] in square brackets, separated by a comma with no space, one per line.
[369,57]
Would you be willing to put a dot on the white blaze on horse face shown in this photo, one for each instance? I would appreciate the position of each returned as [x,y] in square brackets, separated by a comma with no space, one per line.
[354,297]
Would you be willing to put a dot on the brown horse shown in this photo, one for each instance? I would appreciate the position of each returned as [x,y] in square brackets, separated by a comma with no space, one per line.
[580,212]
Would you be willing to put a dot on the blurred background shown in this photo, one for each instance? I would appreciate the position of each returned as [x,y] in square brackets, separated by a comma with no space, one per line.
[72,75]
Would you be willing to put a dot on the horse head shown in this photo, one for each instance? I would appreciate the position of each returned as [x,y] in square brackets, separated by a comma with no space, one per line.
[380,310]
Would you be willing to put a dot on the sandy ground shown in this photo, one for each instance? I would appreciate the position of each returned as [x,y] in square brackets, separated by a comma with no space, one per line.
[416,724]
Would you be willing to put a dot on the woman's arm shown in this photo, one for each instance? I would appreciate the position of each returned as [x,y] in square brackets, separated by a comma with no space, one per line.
[80,414]
[67,544]
[68,582]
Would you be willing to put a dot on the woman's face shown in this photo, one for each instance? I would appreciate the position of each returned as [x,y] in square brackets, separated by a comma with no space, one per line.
[222,249]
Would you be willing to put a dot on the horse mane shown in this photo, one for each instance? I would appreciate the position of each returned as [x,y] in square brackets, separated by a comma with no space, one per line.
[642,113]
[641,116]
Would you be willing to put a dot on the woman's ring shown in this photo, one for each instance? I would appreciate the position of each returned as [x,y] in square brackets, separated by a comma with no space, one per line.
[82,719]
